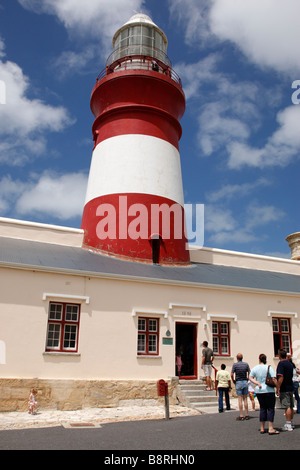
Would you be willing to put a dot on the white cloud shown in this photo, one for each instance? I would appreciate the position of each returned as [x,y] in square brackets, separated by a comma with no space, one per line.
[217,128]
[86,22]
[281,147]
[70,61]
[195,75]
[229,109]
[24,122]
[231,191]
[10,191]
[288,132]
[98,18]
[219,220]
[60,196]
[230,112]
[194,15]
[2,47]
[258,215]
[266,31]
[22,115]
[223,227]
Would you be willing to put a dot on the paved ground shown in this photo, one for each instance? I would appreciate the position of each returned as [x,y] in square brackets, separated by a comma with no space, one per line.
[140,411]
[142,430]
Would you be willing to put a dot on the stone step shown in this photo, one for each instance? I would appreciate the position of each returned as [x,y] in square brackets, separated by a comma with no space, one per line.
[194,394]
[191,382]
[199,393]
[204,406]
[192,387]
[202,399]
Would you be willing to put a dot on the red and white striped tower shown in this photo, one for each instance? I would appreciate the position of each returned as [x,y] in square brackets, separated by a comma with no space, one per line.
[135,171]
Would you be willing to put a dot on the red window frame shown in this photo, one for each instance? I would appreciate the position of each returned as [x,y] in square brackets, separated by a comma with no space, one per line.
[63,327]
[146,333]
[278,334]
[219,336]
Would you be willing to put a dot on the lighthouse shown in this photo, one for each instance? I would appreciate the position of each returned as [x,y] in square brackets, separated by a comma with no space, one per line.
[134,207]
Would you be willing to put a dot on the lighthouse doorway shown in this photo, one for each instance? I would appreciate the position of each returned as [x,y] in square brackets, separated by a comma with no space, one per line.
[186,350]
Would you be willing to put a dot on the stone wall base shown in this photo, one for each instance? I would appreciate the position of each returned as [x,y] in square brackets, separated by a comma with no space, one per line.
[68,395]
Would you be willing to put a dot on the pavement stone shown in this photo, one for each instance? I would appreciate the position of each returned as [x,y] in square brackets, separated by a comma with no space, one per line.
[95,416]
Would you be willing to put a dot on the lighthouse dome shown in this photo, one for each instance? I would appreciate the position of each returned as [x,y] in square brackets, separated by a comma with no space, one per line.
[140,18]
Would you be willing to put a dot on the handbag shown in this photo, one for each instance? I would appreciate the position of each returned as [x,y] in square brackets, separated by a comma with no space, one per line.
[270,380]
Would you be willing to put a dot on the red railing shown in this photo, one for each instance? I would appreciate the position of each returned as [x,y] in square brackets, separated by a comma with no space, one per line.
[140,62]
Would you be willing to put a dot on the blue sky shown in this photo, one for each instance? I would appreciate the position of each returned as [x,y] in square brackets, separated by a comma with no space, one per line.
[241,132]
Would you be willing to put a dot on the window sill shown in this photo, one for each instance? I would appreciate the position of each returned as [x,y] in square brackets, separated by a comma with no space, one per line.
[146,356]
[60,353]
[219,356]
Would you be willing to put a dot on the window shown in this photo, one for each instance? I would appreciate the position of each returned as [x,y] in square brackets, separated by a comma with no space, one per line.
[221,338]
[63,325]
[281,335]
[148,333]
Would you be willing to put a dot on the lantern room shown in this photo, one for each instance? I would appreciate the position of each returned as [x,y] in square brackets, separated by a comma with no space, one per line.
[140,37]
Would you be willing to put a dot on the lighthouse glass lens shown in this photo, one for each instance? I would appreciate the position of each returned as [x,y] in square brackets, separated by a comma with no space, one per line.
[140,40]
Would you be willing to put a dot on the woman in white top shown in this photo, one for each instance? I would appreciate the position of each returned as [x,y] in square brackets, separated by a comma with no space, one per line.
[265,394]
[296,373]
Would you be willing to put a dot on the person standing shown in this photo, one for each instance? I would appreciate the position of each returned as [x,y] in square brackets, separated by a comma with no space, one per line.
[207,361]
[179,363]
[285,388]
[265,394]
[251,394]
[240,376]
[224,386]
[296,373]
[32,403]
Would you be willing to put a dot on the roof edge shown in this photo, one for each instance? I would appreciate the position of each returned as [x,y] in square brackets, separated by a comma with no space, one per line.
[147,280]
[217,256]
[39,232]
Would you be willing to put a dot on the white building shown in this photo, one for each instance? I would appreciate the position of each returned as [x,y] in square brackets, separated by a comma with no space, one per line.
[92,320]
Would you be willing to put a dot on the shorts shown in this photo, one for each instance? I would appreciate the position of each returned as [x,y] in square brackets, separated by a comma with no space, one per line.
[241,387]
[287,399]
[207,368]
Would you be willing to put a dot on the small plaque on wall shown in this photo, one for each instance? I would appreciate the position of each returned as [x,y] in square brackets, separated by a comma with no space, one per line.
[168,341]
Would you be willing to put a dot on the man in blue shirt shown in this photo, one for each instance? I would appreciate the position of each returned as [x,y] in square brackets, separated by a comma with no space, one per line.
[240,375]
[285,388]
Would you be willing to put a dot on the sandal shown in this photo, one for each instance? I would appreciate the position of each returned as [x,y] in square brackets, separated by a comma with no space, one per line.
[274,432]
[240,418]
[247,417]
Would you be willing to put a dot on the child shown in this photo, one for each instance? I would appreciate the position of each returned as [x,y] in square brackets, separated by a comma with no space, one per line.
[224,386]
[251,394]
[178,363]
[32,403]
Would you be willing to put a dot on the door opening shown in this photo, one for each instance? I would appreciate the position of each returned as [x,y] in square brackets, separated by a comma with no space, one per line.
[155,241]
[186,350]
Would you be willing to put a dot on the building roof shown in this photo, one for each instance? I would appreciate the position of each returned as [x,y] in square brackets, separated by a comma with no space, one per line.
[26,254]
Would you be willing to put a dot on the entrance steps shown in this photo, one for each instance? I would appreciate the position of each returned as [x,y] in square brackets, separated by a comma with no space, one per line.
[192,393]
